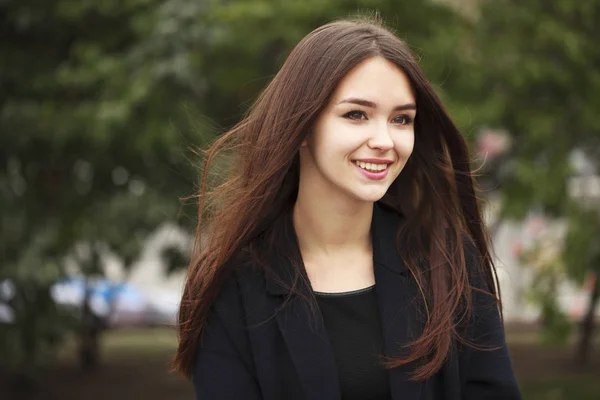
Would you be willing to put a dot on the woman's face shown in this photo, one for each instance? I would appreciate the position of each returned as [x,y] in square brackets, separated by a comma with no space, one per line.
[365,135]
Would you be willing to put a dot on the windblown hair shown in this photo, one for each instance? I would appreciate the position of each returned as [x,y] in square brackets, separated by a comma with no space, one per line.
[435,192]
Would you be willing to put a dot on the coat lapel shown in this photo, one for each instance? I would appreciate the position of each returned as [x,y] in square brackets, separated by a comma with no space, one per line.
[396,293]
[305,333]
[310,350]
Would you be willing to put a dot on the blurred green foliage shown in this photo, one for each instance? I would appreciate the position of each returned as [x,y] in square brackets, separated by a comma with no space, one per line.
[535,73]
[90,148]
[535,67]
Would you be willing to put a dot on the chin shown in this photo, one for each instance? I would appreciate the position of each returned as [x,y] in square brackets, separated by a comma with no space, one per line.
[370,196]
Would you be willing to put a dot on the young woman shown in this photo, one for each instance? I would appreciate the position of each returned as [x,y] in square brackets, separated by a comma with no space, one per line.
[346,254]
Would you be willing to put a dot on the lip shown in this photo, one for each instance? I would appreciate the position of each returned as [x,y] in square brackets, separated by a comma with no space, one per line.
[374,176]
[374,160]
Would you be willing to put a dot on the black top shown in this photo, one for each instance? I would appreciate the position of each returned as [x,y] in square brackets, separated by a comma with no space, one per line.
[352,323]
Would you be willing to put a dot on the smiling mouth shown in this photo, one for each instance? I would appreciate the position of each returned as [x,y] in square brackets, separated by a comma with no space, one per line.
[372,167]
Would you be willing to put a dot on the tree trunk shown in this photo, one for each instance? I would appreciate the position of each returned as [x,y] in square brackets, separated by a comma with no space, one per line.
[91,324]
[587,326]
[89,338]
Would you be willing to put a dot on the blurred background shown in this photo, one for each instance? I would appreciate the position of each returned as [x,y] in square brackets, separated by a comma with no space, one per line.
[103,105]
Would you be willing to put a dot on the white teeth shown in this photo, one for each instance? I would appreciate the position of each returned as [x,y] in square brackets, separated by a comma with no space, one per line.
[371,166]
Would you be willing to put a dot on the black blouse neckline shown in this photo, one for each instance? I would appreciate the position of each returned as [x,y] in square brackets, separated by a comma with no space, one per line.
[349,293]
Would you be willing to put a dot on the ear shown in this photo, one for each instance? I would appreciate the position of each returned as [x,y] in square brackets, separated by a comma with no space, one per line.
[304,143]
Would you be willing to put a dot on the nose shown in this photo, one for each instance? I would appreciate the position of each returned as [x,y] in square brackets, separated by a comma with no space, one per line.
[381,139]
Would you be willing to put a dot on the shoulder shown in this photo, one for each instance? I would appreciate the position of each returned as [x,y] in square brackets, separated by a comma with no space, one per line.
[480,269]
[241,281]
[483,293]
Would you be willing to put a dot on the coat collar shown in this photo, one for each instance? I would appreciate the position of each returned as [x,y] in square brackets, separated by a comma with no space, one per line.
[384,230]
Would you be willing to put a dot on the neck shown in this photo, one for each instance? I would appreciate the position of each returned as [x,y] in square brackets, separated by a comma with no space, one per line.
[326,228]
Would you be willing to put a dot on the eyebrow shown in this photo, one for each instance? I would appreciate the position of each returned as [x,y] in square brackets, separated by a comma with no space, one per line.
[370,104]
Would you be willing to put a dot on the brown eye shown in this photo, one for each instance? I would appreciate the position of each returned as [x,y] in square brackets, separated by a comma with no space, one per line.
[355,115]
[403,120]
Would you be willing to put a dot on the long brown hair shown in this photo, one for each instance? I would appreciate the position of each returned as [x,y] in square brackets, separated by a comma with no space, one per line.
[435,191]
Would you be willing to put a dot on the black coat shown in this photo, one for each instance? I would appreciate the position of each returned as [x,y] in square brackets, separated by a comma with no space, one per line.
[256,347]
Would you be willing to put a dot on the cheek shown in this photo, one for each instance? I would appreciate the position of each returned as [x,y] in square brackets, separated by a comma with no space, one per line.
[404,145]
[334,137]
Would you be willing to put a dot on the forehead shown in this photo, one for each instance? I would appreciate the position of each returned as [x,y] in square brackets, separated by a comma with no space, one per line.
[378,80]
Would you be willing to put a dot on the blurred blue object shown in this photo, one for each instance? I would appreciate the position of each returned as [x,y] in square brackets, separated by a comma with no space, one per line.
[118,304]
